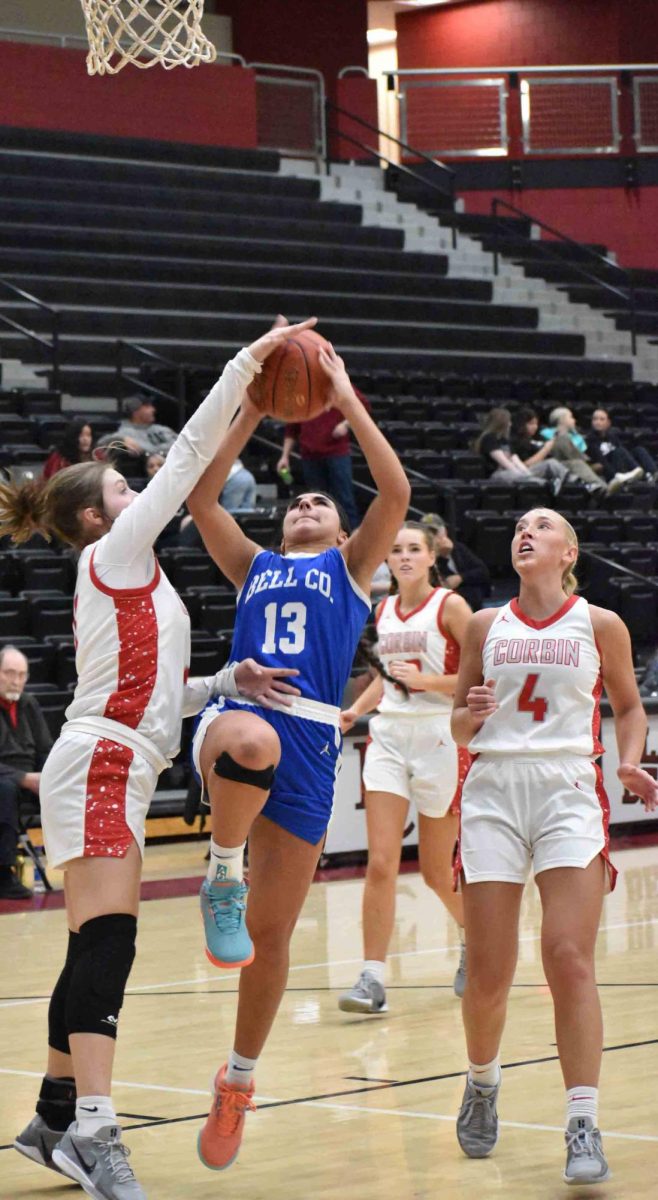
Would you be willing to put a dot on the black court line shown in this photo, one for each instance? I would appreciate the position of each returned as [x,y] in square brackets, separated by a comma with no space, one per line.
[392,987]
[380,1087]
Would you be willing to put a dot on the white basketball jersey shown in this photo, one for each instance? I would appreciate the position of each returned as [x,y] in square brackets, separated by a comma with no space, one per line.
[547,683]
[419,637]
[132,654]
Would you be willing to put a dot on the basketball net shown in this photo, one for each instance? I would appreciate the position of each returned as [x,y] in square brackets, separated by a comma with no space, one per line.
[145,33]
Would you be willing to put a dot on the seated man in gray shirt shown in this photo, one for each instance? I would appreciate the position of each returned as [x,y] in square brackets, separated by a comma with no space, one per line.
[139,429]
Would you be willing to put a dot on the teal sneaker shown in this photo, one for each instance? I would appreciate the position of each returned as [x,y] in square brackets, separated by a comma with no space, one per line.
[223,908]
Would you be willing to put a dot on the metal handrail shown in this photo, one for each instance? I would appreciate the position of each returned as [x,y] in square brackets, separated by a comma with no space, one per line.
[433,162]
[553,70]
[181,375]
[628,294]
[52,343]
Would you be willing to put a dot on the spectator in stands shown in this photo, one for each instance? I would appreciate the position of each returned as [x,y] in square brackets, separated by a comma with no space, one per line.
[458,567]
[605,446]
[74,446]
[526,441]
[139,429]
[239,491]
[570,447]
[25,742]
[324,447]
[500,461]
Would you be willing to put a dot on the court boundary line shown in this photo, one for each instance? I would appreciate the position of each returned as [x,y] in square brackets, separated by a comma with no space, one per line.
[344,962]
[322,1100]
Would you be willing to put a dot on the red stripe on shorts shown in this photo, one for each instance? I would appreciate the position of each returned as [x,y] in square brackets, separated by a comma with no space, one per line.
[107,834]
[605,819]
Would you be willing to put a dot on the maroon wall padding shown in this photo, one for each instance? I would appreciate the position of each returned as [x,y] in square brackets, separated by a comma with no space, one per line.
[624,221]
[357,95]
[502,33]
[45,87]
[323,34]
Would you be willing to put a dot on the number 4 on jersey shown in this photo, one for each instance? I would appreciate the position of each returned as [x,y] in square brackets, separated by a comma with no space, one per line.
[538,707]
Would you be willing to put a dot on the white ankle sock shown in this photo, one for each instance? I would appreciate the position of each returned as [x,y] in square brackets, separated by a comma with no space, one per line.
[226,862]
[485,1074]
[378,969]
[240,1070]
[93,1113]
[583,1102]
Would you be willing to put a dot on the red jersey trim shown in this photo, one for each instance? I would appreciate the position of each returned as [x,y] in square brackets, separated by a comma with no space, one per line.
[557,616]
[419,607]
[452,650]
[127,592]
[379,610]
[137,630]
[107,834]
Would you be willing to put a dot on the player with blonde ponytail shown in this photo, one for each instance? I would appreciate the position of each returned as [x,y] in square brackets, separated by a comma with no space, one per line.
[122,729]
[527,705]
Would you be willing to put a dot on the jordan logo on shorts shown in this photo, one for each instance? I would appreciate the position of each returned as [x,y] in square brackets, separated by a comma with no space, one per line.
[325,748]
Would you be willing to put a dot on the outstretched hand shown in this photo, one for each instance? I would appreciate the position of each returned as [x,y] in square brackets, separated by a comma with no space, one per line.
[342,394]
[265,685]
[639,783]
[276,336]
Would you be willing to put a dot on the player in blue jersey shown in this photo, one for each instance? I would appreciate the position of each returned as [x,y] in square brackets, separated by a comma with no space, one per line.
[270,771]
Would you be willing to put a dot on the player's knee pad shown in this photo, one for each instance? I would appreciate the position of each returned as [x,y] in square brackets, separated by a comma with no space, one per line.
[227,768]
[100,974]
[58,1036]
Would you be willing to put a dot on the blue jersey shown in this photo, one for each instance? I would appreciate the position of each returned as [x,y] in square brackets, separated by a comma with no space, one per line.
[303,611]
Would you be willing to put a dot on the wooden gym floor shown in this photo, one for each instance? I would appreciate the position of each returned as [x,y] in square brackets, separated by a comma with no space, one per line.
[349,1106]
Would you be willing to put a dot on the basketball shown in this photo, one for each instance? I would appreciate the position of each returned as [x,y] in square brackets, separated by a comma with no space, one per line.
[292,385]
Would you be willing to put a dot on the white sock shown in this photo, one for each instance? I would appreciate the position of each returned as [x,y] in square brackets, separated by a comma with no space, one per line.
[378,969]
[93,1113]
[485,1074]
[226,862]
[240,1070]
[583,1102]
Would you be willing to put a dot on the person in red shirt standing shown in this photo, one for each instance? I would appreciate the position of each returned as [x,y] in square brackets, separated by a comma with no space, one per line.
[324,447]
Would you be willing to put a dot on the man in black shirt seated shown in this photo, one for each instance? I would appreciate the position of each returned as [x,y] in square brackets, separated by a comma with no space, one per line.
[25,743]
[459,568]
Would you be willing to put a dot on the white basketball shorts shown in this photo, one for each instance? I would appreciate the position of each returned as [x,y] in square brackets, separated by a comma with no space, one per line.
[539,813]
[95,794]
[416,759]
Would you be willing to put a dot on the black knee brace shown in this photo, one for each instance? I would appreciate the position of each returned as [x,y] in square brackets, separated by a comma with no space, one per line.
[58,1036]
[227,768]
[100,974]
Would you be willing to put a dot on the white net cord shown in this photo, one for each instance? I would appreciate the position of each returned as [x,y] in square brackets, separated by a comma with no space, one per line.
[145,33]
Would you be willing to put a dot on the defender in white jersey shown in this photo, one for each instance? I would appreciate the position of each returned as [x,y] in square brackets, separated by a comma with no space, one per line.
[133,651]
[272,775]
[527,705]
[411,756]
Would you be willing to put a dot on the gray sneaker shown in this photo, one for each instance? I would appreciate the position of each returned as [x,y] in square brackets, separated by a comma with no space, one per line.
[586,1162]
[37,1141]
[367,996]
[477,1123]
[99,1164]
[459,982]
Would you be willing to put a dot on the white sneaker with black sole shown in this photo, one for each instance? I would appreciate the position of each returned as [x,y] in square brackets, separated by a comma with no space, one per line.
[367,996]
[99,1164]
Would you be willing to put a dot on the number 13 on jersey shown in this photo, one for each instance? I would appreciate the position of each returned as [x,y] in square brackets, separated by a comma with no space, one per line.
[285,628]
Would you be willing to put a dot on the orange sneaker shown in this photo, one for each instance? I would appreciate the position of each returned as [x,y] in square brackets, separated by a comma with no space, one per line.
[219,1141]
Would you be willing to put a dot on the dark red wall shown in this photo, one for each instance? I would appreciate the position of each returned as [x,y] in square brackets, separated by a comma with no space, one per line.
[624,221]
[529,32]
[324,34]
[44,87]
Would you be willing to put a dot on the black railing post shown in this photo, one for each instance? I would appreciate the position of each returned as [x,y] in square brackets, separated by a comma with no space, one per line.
[633,304]
[119,371]
[494,213]
[181,392]
[55,353]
